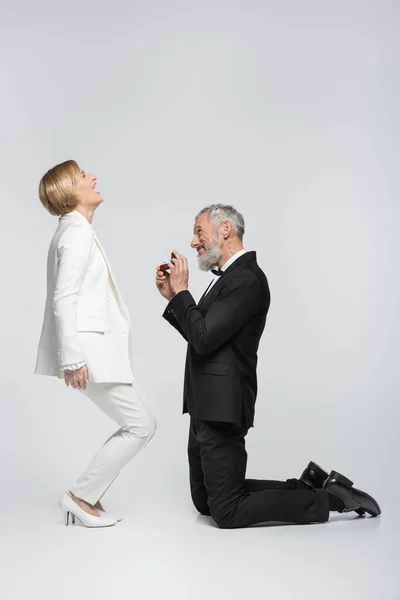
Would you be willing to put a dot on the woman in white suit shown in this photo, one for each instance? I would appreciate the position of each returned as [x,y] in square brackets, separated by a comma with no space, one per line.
[86,338]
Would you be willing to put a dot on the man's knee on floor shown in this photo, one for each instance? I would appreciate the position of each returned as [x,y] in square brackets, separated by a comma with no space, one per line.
[200,503]
[222,520]
[202,507]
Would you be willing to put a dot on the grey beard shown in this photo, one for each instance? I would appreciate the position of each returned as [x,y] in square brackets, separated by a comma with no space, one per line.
[210,257]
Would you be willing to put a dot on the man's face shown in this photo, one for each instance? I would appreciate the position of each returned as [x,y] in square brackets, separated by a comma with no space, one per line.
[206,242]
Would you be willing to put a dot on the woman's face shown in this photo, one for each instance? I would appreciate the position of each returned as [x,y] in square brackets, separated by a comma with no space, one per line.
[85,191]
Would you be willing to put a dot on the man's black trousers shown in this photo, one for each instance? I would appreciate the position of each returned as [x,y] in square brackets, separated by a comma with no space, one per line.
[217,463]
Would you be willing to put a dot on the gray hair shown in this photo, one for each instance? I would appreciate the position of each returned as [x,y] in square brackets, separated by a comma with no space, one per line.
[219,213]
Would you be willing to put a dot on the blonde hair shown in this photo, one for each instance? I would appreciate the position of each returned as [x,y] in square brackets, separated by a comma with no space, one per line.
[57,188]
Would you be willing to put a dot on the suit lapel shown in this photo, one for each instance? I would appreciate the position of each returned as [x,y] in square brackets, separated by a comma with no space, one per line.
[205,293]
[100,247]
[112,277]
[207,298]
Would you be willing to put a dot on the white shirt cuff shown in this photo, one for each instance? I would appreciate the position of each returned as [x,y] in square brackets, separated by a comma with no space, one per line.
[72,367]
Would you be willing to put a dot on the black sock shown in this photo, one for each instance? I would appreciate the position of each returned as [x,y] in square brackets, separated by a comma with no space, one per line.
[335,503]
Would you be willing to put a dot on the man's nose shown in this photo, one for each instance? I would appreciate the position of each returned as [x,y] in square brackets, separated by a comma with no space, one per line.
[194,243]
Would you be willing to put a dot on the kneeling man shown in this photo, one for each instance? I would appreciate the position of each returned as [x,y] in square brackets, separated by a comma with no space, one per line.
[223,332]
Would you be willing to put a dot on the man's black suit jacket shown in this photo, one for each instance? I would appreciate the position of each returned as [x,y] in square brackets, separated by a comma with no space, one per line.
[223,333]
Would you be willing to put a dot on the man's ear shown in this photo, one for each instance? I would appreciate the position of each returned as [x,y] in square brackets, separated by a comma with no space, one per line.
[227,227]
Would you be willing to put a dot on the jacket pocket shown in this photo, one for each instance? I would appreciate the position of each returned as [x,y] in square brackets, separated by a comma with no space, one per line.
[214,368]
[90,324]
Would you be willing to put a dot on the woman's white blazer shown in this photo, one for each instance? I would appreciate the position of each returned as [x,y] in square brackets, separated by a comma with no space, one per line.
[85,318]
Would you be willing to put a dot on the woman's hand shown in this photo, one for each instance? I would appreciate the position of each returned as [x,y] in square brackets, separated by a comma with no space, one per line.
[77,378]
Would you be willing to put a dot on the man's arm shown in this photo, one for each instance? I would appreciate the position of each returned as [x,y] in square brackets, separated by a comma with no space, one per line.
[172,321]
[234,306]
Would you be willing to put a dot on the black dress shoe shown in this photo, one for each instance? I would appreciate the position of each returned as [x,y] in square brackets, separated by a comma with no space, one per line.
[352,499]
[314,476]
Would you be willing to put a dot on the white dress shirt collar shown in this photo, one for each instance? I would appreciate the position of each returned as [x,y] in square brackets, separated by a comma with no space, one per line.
[224,267]
[232,259]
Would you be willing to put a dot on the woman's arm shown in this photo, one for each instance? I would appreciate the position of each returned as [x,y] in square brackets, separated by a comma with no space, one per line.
[73,254]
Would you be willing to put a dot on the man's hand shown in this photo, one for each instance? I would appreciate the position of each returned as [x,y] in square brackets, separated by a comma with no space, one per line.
[77,379]
[163,284]
[179,277]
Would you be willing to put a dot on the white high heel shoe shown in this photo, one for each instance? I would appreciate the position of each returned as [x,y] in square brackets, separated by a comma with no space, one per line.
[103,512]
[69,507]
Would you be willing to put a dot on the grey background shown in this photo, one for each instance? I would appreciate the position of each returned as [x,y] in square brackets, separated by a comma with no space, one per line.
[289,111]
